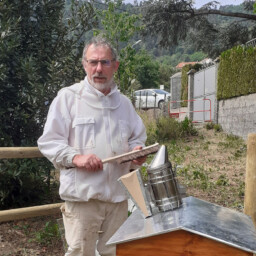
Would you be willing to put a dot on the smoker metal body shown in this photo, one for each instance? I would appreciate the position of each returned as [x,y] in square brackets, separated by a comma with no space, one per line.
[165,194]
[162,184]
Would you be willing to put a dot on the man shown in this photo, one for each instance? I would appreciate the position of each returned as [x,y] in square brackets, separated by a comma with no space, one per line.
[87,122]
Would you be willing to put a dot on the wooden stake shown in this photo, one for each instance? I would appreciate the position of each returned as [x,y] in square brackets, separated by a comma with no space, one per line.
[250,178]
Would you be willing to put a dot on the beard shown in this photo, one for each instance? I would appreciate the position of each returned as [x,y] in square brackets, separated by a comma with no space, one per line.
[101,86]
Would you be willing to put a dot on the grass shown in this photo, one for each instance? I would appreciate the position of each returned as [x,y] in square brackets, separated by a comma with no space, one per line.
[210,163]
[214,168]
[47,235]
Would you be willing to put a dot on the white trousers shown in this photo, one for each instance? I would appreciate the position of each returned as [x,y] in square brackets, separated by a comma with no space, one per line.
[88,223]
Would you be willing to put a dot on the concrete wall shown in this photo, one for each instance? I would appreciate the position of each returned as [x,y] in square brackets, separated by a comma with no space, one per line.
[175,89]
[237,116]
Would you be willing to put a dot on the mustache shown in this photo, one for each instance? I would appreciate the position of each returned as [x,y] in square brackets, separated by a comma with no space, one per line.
[98,75]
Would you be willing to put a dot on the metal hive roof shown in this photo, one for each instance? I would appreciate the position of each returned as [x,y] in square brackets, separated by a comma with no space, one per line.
[197,216]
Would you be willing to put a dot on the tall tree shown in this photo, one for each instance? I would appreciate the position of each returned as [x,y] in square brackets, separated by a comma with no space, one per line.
[39,53]
[175,20]
[120,27]
[146,70]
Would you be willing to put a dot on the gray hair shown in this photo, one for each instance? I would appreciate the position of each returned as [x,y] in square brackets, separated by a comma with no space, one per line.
[100,40]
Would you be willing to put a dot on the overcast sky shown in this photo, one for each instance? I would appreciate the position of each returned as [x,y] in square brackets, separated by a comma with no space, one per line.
[199,3]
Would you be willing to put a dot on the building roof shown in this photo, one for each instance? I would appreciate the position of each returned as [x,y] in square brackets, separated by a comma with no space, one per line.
[196,216]
[182,64]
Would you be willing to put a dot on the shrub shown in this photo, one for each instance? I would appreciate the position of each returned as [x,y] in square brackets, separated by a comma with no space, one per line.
[164,128]
[150,125]
[188,128]
[167,129]
[209,126]
[24,182]
[217,128]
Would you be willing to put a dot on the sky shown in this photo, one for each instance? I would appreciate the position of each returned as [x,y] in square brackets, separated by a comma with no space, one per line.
[199,3]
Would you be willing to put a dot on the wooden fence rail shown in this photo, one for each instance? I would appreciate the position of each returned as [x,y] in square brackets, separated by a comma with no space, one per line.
[27,212]
[33,152]
[19,152]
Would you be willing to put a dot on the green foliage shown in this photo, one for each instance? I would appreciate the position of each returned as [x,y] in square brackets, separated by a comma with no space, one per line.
[209,125]
[119,28]
[173,22]
[165,129]
[40,52]
[188,128]
[217,128]
[48,235]
[232,141]
[184,85]
[24,182]
[236,73]
[164,74]
[150,124]
[222,180]
[184,81]
[146,70]
[196,176]
[181,54]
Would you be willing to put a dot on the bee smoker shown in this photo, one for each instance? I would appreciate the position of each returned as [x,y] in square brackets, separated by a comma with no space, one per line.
[161,192]
[163,188]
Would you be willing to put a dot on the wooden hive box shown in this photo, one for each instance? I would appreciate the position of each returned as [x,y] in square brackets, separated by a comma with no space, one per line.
[198,228]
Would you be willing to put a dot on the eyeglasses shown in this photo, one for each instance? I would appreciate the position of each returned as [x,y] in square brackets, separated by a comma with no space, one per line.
[104,63]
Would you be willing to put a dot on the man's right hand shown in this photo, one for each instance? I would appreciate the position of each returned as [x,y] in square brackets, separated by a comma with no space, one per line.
[88,162]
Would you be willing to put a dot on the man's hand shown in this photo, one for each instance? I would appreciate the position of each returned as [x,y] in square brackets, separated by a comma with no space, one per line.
[140,160]
[88,162]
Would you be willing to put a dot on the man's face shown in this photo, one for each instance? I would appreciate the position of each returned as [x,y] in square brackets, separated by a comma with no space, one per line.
[100,74]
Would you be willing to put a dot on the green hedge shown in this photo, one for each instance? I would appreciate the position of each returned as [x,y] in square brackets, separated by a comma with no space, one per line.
[184,84]
[237,72]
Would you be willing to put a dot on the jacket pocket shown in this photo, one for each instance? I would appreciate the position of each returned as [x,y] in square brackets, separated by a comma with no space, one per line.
[125,134]
[84,132]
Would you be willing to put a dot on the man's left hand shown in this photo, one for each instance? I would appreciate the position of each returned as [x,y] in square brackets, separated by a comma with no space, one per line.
[140,160]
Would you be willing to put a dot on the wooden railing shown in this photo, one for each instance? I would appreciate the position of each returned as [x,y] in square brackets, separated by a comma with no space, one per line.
[28,212]
[20,152]
[33,152]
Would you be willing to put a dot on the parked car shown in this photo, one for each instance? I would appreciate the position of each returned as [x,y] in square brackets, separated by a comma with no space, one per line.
[151,98]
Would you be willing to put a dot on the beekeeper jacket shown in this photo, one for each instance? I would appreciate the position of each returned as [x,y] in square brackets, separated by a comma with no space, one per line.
[82,120]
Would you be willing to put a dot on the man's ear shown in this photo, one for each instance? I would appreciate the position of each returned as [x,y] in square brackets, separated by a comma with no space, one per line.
[117,63]
[84,65]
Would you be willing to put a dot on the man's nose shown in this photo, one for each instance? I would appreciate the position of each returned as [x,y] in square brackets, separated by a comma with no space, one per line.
[99,67]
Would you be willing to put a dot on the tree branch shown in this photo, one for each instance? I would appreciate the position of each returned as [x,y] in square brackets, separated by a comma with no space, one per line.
[230,14]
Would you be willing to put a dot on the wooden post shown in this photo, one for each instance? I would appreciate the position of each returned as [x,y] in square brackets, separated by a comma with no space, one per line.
[250,178]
